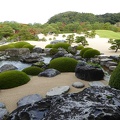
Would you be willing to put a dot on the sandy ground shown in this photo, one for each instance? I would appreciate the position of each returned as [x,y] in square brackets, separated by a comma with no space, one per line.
[40,85]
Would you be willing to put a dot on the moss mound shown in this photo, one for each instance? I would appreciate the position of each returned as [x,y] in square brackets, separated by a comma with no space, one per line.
[49,46]
[90,53]
[83,51]
[80,47]
[20,44]
[61,45]
[63,64]
[4,47]
[33,70]
[53,51]
[12,78]
[29,46]
[115,78]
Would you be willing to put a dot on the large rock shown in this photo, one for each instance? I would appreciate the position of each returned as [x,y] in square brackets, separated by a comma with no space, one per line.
[88,72]
[8,67]
[3,111]
[94,103]
[30,99]
[31,58]
[49,73]
[37,50]
[58,91]
[16,52]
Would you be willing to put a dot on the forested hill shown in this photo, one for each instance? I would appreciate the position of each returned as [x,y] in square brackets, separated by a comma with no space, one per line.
[70,17]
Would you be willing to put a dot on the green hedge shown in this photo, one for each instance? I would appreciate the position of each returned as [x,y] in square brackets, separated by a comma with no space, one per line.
[12,78]
[83,51]
[20,44]
[63,64]
[115,78]
[61,45]
[49,46]
[33,70]
[90,53]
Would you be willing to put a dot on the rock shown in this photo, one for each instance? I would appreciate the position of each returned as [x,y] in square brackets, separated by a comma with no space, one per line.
[37,50]
[78,85]
[16,52]
[31,58]
[58,91]
[112,67]
[30,99]
[88,72]
[105,60]
[93,103]
[58,54]
[111,63]
[3,112]
[49,73]
[8,67]
[47,51]
[103,56]
[96,83]
[68,55]
[4,57]
[57,41]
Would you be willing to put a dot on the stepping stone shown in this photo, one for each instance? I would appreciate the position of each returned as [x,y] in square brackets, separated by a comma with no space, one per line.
[58,91]
[78,85]
[96,83]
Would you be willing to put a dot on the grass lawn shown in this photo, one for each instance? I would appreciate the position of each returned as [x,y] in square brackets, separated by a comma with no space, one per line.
[108,34]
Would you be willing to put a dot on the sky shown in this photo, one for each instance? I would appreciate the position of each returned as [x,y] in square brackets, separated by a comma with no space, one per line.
[40,11]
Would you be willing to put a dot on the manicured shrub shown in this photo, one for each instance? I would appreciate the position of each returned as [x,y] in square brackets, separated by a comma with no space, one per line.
[115,78]
[33,70]
[20,44]
[12,78]
[53,51]
[80,47]
[49,46]
[29,46]
[61,45]
[83,51]
[4,47]
[90,53]
[63,64]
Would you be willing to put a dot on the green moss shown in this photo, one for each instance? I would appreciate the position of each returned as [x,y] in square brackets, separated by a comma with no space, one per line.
[12,78]
[33,70]
[61,45]
[83,51]
[29,46]
[80,47]
[49,46]
[20,44]
[53,51]
[115,78]
[63,64]
[90,53]
[4,47]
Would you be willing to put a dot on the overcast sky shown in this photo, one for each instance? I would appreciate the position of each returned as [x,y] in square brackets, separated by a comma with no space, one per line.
[39,11]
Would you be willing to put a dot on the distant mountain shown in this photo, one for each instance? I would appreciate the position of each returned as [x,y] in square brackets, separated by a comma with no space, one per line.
[70,17]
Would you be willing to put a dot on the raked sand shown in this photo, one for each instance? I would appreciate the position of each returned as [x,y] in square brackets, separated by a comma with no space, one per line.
[40,85]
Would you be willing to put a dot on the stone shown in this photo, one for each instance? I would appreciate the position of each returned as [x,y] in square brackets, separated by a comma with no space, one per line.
[96,83]
[30,99]
[111,63]
[8,67]
[31,58]
[58,91]
[57,41]
[3,112]
[88,72]
[93,103]
[47,51]
[103,56]
[112,67]
[105,60]
[49,73]
[58,54]
[16,52]
[78,85]
[68,55]
[37,50]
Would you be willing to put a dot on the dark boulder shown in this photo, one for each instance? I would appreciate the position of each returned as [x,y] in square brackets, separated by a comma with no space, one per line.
[93,103]
[49,73]
[88,72]
[37,50]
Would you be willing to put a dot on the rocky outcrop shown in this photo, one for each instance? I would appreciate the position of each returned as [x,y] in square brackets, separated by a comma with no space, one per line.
[31,58]
[88,72]
[16,52]
[94,103]
[8,67]
[49,73]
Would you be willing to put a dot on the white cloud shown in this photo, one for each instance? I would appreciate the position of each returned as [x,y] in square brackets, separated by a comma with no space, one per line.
[30,11]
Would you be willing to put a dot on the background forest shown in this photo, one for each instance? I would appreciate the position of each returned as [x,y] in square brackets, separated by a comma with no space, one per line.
[67,22]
